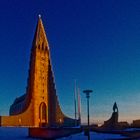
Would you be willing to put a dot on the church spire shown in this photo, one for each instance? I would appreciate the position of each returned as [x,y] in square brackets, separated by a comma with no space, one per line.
[39,15]
[40,39]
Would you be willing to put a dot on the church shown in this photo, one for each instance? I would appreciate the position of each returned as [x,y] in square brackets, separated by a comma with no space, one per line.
[39,105]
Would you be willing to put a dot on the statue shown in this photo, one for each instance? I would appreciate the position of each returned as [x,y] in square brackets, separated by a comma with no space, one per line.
[112,122]
[115,108]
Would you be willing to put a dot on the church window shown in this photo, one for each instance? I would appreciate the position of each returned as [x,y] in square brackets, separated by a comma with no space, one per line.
[46,48]
[43,112]
[38,46]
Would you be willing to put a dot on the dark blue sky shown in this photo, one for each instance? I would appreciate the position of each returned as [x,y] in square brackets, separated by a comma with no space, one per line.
[96,42]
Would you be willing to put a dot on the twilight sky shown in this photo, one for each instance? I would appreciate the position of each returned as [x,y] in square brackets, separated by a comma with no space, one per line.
[96,42]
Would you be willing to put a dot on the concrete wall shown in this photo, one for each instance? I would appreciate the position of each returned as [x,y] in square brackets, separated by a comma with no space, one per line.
[23,119]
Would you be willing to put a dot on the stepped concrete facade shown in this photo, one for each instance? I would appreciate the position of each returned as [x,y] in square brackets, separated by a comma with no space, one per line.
[39,106]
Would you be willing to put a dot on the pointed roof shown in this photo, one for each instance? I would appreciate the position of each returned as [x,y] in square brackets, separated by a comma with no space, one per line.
[40,34]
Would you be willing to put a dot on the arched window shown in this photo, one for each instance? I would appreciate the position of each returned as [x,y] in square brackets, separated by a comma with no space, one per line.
[43,112]
[39,47]
[43,46]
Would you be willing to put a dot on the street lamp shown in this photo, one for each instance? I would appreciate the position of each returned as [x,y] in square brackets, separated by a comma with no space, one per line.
[87,92]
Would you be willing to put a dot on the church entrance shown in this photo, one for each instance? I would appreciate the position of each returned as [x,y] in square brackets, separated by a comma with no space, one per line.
[43,114]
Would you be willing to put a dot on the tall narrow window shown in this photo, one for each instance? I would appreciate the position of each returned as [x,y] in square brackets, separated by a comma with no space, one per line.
[43,113]
[39,47]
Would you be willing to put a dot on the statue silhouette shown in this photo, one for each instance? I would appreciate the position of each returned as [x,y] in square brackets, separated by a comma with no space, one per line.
[112,122]
[115,108]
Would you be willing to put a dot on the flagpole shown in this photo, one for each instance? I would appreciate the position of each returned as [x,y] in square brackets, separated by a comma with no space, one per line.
[79,106]
[75,91]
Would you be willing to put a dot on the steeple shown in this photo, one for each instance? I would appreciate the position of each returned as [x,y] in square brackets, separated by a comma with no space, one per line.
[40,39]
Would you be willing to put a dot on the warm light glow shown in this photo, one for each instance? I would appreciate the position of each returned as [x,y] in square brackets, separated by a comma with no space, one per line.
[60,120]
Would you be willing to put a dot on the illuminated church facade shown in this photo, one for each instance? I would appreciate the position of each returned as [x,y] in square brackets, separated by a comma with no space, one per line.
[39,106]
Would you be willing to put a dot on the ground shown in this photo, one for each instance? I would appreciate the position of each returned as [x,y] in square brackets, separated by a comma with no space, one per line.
[16,133]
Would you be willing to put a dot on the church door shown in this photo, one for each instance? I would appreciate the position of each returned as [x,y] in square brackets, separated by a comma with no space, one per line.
[43,114]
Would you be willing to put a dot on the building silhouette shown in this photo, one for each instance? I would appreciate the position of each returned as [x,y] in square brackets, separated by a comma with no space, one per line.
[39,106]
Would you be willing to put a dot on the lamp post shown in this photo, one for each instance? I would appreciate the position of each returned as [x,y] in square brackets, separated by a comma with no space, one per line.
[87,92]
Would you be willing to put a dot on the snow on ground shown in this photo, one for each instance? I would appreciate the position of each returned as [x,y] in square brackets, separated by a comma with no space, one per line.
[132,129]
[93,136]
[15,133]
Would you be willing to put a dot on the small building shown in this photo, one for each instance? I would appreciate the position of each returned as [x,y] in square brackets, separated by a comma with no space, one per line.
[136,123]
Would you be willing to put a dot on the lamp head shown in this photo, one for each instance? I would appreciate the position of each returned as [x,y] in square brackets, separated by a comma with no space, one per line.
[87,92]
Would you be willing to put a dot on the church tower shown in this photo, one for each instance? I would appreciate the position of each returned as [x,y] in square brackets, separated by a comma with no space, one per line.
[39,106]
[41,86]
